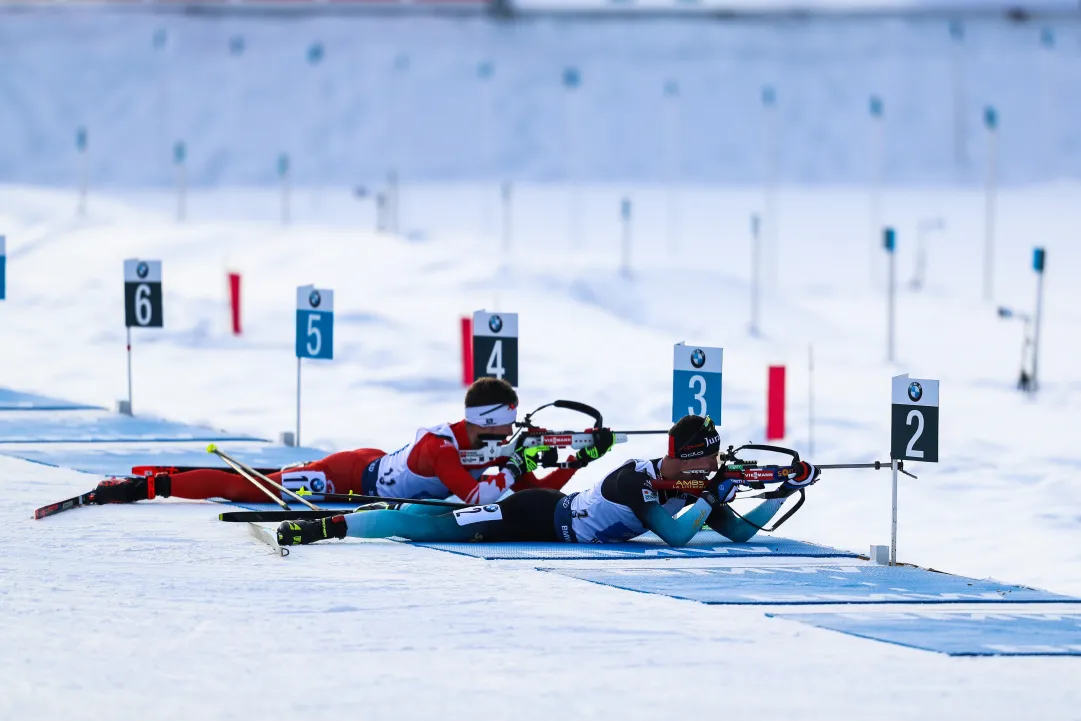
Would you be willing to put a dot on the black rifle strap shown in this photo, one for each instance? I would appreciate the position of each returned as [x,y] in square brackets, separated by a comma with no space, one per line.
[779,493]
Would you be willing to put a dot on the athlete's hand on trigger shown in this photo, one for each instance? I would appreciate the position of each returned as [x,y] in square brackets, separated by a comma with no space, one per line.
[541,456]
[720,491]
[523,461]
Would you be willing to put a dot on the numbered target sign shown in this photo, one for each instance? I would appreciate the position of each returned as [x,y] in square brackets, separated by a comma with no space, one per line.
[315,322]
[142,294]
[3,267]
[696,382]
[495,346]
[914,434]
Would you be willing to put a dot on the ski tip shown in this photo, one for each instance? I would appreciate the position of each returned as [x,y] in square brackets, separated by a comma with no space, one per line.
[212,448]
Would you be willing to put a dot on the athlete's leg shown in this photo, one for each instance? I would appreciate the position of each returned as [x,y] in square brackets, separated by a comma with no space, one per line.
[343,473]
[529,516]
[417,509]
[525,516]
[384,524]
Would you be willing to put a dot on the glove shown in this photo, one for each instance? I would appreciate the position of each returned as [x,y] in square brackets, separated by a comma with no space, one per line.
[718,491]
[603,440]
[527,460]
[804,475]
[542,456]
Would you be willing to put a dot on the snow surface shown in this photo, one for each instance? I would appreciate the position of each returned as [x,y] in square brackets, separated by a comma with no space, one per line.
[405,94]
[159,611]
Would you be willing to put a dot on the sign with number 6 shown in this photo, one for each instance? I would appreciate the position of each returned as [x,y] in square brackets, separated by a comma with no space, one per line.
[495,346]
[142,294]
[914,420]
[315,323]
[696,381]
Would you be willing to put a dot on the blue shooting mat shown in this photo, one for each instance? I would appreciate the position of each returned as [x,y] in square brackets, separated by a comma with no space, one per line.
[16,401]
[993,633]
[102,427]
[105,459]
[707,544]
[810,583]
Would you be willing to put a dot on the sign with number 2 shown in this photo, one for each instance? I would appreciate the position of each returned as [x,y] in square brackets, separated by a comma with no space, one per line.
[914,419]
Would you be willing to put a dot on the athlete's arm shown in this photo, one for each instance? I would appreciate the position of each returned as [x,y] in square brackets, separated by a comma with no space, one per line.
[440,459]
[677,530]
[634,488]
[740,530]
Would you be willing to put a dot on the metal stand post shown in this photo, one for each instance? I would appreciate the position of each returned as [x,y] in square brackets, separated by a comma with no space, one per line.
[130,411]
[298,402]
[756,270]
[1036,332]
[893,528]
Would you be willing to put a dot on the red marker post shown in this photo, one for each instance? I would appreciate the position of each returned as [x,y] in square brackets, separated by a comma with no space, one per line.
[234,300]
[775,404]
[467,351]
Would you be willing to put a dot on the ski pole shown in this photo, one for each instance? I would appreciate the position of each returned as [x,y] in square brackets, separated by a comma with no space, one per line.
[249,473]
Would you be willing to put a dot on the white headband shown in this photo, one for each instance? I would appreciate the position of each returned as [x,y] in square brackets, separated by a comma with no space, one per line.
[500,414]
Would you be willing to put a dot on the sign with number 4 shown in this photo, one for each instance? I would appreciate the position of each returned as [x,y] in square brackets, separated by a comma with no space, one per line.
[696,382]
[914,422]
[315,323]
[495,346]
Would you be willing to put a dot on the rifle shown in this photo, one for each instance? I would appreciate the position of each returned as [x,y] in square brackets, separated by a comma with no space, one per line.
[754,476]
[528,435]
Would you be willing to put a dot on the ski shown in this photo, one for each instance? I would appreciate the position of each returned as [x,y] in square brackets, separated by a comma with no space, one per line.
[268,516]
[268,536]
[53,508]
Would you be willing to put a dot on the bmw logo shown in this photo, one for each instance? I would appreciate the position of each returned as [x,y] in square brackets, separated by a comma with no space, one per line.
[495,324]
[915,391]
[142,270]
[314,299]
[698,358]
[491,508]
[318,485]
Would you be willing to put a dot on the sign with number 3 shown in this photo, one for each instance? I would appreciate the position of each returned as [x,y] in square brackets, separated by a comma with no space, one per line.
[696,382]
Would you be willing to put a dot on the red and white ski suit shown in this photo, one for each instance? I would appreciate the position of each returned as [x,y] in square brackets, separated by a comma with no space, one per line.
[428,467]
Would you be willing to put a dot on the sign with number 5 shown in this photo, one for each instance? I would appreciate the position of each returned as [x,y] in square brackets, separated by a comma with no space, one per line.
[315,323]
[914,420]
[696,381]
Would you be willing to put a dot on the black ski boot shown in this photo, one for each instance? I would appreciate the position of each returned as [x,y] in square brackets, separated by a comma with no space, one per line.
[129,490]
[299,533]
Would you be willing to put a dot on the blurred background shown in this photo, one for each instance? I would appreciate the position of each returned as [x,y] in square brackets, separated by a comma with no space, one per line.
[354,92]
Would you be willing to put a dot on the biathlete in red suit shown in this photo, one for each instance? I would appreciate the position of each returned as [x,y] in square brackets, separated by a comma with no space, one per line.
[428,467]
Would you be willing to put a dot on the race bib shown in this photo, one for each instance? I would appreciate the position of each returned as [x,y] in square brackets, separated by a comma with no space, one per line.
[307,484]
[478,514]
